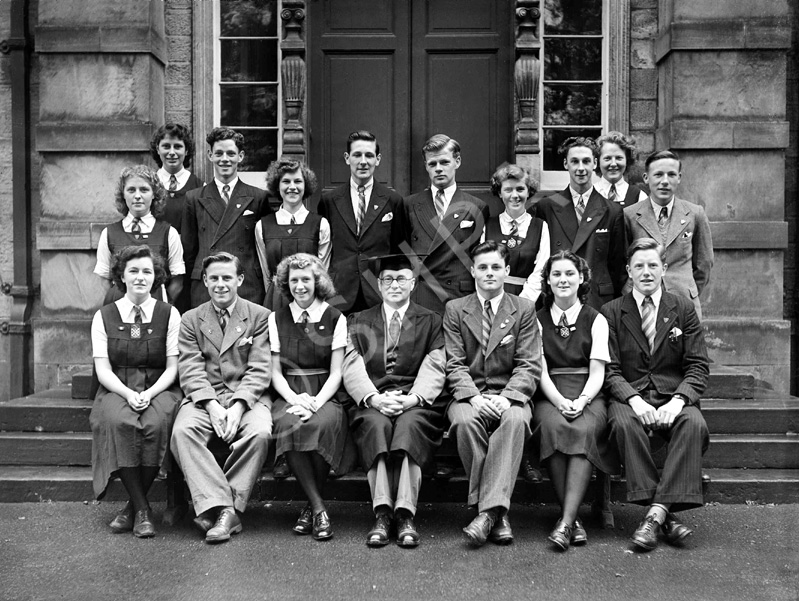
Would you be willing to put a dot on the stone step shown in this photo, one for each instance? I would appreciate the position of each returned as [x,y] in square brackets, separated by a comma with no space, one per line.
[729,383]
[51,411]
[42,483]
[46,448]
[762,415]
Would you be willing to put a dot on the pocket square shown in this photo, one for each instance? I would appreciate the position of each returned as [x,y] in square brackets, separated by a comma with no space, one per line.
[247,212]
[602,231]
[387,217]
[506,340]
[465,224]
[245,341]
[686,234]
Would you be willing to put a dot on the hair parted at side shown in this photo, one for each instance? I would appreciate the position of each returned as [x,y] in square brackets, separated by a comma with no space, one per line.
[579,263]
[277,169]
[440,143]
[626,143]
[646,244]
[223,257]
[364,136]
[576,142]
[662,154]
[508,171]
[225,133]
[323,284]
[128,253]
[148,175]
[490,246]
[173,130]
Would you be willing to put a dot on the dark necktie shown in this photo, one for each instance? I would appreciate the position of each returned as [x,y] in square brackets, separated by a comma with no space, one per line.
[293,221]
[135,328]
[514,228]
[440,204]
[173,183]
[361,207]
[648,321]
[563,326]
[488,318]
[226,193]
[612,193]
[135,228]
[304,317]
[393,338]
[663,217]
[223,319]
[579,209]
[137,314]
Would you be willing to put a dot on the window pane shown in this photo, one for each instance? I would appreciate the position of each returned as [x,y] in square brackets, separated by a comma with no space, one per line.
[573,59]
[248,18]
[249,60]
[243,104]
[260,149]
[563,17]
[575,104]
[554,138]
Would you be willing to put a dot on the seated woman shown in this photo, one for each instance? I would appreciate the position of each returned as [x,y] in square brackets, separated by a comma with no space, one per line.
[570,421]
[140,198]
[308,338]
[292,229]
[135,350]
[526,237]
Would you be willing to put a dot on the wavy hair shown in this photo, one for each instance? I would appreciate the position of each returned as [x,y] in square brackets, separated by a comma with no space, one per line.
[128,253]
[323,284]
[149,176]
[626,143]
[173,130]
[511,171]
[582,267]
[283,165]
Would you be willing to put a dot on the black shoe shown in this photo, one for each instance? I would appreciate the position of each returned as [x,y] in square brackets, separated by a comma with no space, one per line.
[579,535]
[561,535]
[204,522]
[501,534]
[123,521]
[378,536]
[407,535]
[673,531]
[143,524]
[645,536]
[322,529]
[281,469]
[530,473]
[480,527]
[304,523]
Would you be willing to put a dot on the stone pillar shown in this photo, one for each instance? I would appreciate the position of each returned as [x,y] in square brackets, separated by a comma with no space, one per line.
[101,70]
[293,74]
[722,107]
[527,73]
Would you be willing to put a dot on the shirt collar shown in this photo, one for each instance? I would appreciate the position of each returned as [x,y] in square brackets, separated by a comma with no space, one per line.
[571,313]
[315,311]
[164,175]
[494,301]
[148,220]
[576,196]
[388,312]
[232,184]
[603,187]
[367,186]
[299,216]
[656,295]
[449,191]
[229,308]
[505,218]
[125,306]
[656,207]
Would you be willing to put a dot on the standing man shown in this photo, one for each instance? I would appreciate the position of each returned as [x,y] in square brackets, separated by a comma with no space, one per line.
[658,370]
[221,216]
[394,370]
[580,219]
[682,227]
[445,224]
[225,369]
[493,368]
[367,220]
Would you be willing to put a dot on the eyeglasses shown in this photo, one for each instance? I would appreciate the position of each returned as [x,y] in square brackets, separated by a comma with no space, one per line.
[401,280]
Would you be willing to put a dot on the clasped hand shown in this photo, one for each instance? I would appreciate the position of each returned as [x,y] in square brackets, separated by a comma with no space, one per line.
[661,418]
[393,402]
[303,405]
[139,401]
[490,406]
[571,409]
[225,421]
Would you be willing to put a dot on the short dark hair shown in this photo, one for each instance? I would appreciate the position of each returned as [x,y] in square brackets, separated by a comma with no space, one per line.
[582,267]
[511,171]
[662,154]
[223,257]
[440,143]
[173,130]
[128,253]
[490,246]
[626,143]
[646,244]
[225,133]
[363,135]
[151,177]
[283,165]
[323,284]
[576,142]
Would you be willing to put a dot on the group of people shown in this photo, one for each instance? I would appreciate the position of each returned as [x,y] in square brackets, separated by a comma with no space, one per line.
[378,322]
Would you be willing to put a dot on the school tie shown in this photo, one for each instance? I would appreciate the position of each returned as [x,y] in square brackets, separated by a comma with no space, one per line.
[563,326]
[226,193]
[135,228]
[514,228]
[173,183]
[293,221]
[137,314]
[394,329]
[136,327]
[223,319]
[440,204]
[648,321]
[304,317]
[488,317]
[612,193]
[580,209]
[361,207]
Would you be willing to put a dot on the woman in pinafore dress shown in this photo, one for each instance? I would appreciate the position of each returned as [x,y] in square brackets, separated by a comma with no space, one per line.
[569,422]
[135,349]
[308,339]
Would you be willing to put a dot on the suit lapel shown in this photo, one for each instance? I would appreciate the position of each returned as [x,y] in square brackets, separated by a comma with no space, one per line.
[457,211]
[209,324]
[679,220]
[631,319]
[667,315]
[239,201]
[503,322]
[236,326]
[212,202]
[595,209]
[645,217]
[408,332]
[473,318]
[343,204]
[563,209]
[426,214]
[377,201]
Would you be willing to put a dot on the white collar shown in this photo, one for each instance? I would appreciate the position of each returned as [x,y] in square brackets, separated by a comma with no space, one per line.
[603,187]
[315,310]
[367,186]
[449,191]
[388,312]
[148,220]
[656,208]
[232,184]
[299,216]
[229,308]
[525,217]
[494,301]
[576,195]
[125,308]
[571,313]
[656,296]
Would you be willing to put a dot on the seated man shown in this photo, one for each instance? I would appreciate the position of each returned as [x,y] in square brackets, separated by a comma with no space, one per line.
[493,367]
[394,370]
[225,370]
[658,370]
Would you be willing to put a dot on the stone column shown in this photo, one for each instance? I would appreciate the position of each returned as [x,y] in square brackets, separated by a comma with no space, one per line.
[527,74]
[293,74]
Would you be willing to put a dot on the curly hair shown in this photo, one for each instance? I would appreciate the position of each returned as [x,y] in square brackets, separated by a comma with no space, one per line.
[441,143]
[508,171]
[173,130]
[126,254]
[323,284]
[582,267]
[626,143]
[576,142]
[283,165]
[149,176]
[225,133]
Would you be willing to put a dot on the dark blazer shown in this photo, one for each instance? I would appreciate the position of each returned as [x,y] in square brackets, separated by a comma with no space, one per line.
[512,365]
[382,234]
[599,239]
[679,363]
[210,226]
[445,271]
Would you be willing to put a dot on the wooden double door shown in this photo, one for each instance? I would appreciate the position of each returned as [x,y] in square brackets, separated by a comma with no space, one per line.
[405,70]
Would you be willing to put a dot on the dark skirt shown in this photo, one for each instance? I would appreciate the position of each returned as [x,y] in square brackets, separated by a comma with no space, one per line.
[121,437]
[587,435]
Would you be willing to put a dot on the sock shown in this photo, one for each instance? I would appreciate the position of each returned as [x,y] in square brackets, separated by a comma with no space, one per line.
[658,511]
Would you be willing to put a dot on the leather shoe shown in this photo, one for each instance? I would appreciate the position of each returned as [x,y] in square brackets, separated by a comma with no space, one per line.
[407,535]
[480,527]
[561,535]
[143,524]
[226,524]
[530,473]
[501,534]
[322,529]
[281,470]
[673,531]
[304,523]
[204,522]
[645,536]
[579,535]
[123,521]
[378,535]
[444,472]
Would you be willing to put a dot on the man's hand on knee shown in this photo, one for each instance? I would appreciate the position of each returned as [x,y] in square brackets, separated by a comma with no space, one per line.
[234,413]
[218,416]
[645,412]
[666,414]
[484,407]
[499,402]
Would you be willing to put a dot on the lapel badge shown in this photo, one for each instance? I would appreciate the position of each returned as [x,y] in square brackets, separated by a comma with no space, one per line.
[511,243]
[238,206]
[135,330]
[238,329]
[321,327]
[290,230]
[121,328]
[564,331]
[375,206]
[149,330]
[665,320]
[682,221]
[588,219]
[171,195]
[456,215]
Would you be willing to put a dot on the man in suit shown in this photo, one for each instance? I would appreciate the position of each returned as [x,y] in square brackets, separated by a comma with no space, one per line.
[225,370]
[580,219]
[394,371]
[221,216]
[658,370]
[682,227]
[444,225]
[493,368]
[366,220]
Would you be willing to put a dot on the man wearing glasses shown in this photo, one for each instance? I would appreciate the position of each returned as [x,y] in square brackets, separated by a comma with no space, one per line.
[394,371]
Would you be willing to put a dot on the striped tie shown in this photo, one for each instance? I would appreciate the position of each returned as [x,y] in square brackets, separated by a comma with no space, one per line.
[488,317]
[612,193]
[394,328]
[173,183]
[361,207]
[579,209]
[440,202]
[135,228]
[226,193]
[514,228]
[648,321]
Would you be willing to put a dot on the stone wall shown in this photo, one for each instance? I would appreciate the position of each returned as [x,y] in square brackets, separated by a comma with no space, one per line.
[791,300]
[643,76]
[178,84]
[6,203]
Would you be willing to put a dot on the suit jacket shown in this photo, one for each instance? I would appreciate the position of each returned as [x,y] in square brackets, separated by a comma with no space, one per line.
[512,365]
[382,234]
[228,366]
[210,226]
[445,271]
[679,363]
[599,239]
[689,249]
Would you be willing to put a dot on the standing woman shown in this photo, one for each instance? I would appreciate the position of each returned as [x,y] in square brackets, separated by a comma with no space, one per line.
[526,237]
[141,198]
[292,229]
[614,154]
[308,339]
[135,350]
[172,148]
[570,421]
